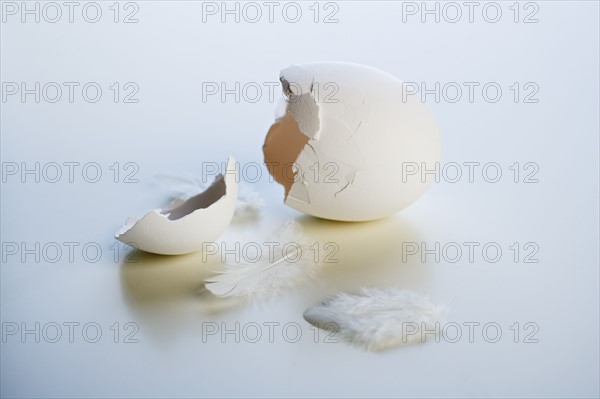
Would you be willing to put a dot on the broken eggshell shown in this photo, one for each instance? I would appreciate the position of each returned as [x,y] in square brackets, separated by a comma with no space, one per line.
[185,226]
[349,142]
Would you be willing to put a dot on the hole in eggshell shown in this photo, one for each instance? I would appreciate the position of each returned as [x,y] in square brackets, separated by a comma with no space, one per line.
[289,134]
[203,200]
[283,145]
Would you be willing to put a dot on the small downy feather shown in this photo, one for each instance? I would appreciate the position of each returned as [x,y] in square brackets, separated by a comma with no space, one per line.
[378,319]
[249,204]
[268,277]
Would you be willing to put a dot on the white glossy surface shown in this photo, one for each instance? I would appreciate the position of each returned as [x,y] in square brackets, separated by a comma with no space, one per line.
[169,53]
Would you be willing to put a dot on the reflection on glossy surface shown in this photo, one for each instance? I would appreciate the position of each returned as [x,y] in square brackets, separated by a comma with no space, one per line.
[149,278]
[168,291]
[369,253]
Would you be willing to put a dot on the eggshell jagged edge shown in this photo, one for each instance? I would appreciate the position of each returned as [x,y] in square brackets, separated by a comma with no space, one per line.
[157,233]
[311,114]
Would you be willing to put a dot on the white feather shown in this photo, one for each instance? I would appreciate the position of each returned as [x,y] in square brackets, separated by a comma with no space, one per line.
[378,319]
[264,278]
[249,204]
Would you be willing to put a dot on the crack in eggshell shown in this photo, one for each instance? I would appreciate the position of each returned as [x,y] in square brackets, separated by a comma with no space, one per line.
[306,110]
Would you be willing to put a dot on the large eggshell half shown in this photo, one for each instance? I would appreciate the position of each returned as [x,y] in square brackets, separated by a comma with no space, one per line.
[186,225]
[350,130]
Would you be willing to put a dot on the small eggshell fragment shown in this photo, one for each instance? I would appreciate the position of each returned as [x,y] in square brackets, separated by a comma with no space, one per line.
[357,142]
[186,225]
